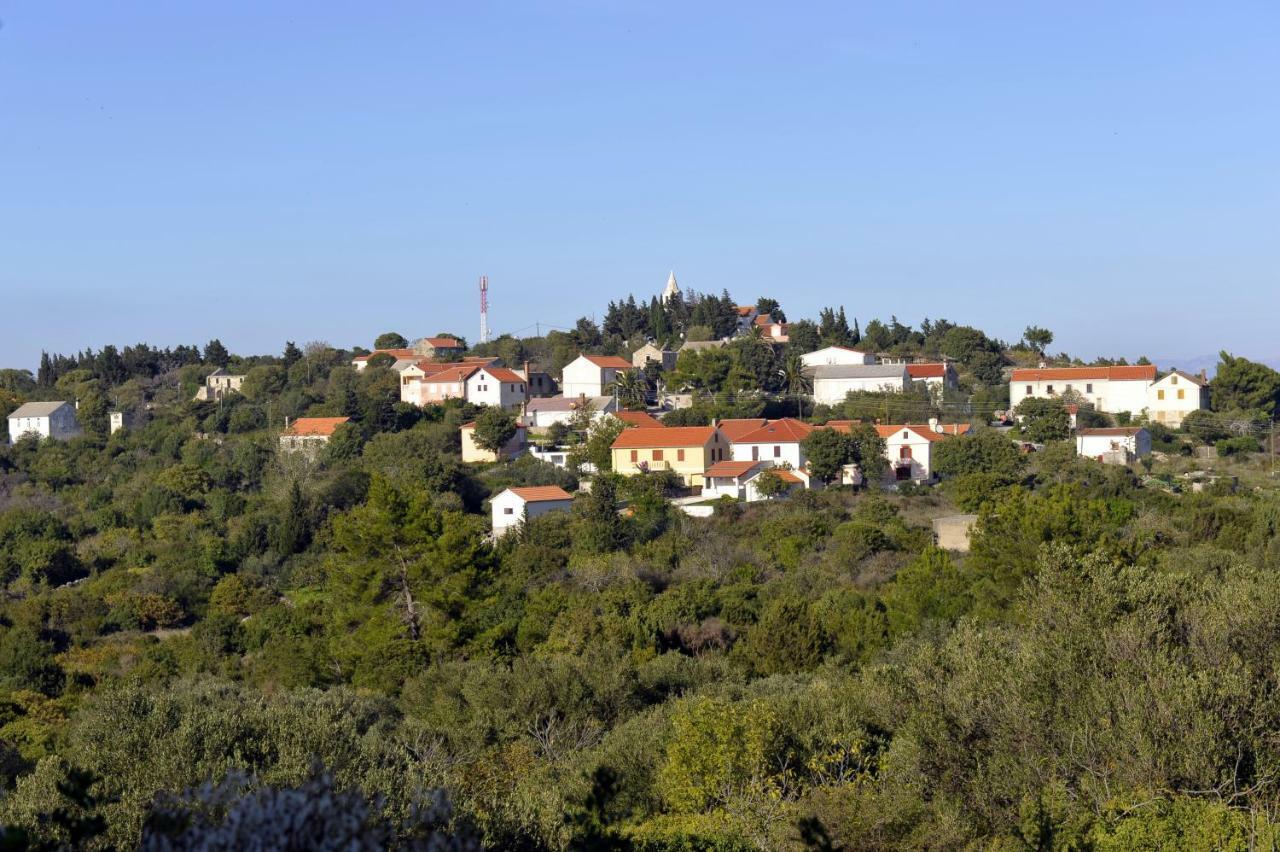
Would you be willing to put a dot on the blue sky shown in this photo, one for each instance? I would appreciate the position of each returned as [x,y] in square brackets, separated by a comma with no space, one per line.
[263,172]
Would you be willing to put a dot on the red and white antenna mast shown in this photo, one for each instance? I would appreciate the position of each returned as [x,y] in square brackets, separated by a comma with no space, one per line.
[484,308]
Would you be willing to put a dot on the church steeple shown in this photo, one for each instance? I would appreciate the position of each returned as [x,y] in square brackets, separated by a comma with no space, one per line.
[673,289]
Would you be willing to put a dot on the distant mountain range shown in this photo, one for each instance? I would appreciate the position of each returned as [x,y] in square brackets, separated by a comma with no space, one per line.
[1209,363]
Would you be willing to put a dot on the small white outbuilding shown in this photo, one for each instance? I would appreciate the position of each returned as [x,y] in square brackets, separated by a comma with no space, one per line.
[56,420]
[514,506]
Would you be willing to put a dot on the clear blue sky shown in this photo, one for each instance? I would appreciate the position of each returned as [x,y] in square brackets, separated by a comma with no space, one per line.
[172,172]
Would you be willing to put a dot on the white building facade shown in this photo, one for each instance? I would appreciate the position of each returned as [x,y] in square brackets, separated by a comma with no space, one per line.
[591,375]
[1115,445]
[836,356]
[1109,389]
[514,506]
[831,384]
[496,386]
[1171,398]
[45,420]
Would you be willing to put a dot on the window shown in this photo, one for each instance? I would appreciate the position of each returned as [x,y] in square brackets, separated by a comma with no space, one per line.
[906,436]
[1182,394]
[1068,387]
[635,455]
[1029,390]
[777,451]
[679,455]
[1088,388]
[755,454]
[657,455]
[1159,394]
[1173,380]
[1049,389]
[508,511]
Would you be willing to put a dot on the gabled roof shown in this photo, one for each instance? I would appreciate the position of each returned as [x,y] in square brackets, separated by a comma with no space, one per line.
[315,427]
[782,473]
[37,409]
[734,469]
[639,418]
[455,373]
[785,431]
[643,437]
[734,429]
[609,362]
[541,493]
[1194,379]
[695,345]
[746,310]
[442,342]
[888,431]
[1142,372]
[927,371]
[502,374]
[398,354]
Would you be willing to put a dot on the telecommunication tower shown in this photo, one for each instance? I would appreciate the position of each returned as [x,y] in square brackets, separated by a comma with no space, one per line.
[484,308]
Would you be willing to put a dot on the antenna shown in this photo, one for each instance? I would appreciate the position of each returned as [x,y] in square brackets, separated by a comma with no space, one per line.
[484,308]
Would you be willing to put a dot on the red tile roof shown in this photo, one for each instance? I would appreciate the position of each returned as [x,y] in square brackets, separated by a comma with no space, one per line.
[733,429]
[541,493]
[315,427]
[456,373]
[443,342]
[927,371]
[789,476]
[924,431]
[502,374]
[643,437]
[1145,372]
[745,310]
[609,361]
[639,418]
[787,430]
[734,469]
[398,354]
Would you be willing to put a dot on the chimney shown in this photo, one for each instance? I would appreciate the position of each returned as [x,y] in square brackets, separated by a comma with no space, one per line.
[1204,374]
[933,423]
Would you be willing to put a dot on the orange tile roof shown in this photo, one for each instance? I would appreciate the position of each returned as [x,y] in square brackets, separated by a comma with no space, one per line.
[745,310]
[443,342]
[733,429]
[541,493]
[642,437]
[502,374]
[456,373]
[923,430]
[639,418]
[315,427]
[609,361]
[1144,372]
[734,469]
[789,476]
[787,430]
[927,371]
[398,354]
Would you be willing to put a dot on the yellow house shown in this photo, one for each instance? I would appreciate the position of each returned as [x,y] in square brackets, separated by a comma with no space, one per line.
[471,452]
[686,450]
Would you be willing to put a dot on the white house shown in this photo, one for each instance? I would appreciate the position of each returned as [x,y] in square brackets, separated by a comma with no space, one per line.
[591,375]
[490,385]
[831,384]
[836,356]
[777,441]
[937,377]
[56,420]
[309,434]
[1173,397]
[543,412]
[1110,389]
[909,448]
[792,479]
[1119,445]
[514,506]
[729,478]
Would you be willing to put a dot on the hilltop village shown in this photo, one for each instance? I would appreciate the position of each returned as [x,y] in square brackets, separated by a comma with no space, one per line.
[697,575]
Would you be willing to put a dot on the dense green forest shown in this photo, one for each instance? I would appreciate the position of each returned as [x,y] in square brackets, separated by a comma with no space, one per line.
[199,633]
